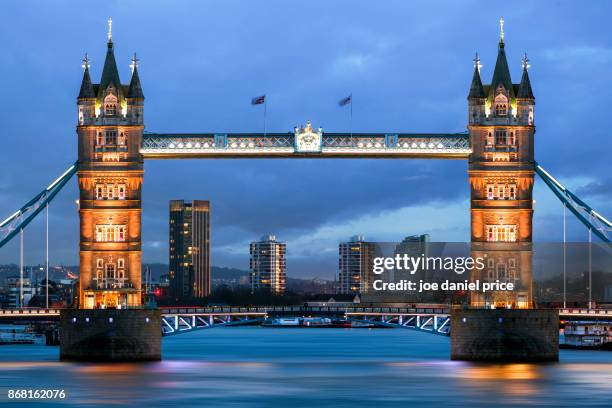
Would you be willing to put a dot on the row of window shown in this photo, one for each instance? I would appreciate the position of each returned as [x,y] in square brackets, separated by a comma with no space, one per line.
[110,277]
[501,233]
[502,137]
[110,233]
[109,138]
[110,191]
[501,191]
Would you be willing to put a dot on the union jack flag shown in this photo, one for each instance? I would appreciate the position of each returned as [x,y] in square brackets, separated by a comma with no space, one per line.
[258,100]
[345,101]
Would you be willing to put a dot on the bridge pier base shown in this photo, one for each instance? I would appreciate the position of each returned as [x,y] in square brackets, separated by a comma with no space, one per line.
[110,335]
[505,335]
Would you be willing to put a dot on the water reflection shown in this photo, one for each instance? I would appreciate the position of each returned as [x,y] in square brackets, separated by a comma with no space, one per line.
[254,366]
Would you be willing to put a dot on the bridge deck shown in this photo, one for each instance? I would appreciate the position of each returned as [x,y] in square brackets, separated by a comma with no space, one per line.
[285,145]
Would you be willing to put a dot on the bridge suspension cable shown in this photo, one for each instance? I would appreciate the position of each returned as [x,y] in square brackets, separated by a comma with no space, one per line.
[595,222]
[17,221]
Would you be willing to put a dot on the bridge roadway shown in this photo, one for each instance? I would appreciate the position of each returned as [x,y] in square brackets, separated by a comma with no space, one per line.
[182,319]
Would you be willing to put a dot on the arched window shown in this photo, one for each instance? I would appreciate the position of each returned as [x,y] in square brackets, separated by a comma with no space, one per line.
[501,103]
[110,105]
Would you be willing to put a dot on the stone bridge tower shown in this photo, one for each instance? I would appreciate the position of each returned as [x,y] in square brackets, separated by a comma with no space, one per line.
[109,129]
[501,174]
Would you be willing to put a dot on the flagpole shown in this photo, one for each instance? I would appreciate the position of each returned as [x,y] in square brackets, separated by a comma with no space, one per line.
[265,112]
[351,121]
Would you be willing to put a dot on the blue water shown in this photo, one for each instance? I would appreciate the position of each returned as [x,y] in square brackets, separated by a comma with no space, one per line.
[266,367]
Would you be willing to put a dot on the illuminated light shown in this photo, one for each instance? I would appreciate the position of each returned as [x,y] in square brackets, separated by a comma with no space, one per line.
[147,320]
[369,144]
[87,319]
[110,319]
[74,320]
[206,145]
[414,145]
[189,145]
[377,144]
[198,145]
[405,144]
[171,145]
[180,145]
[359,144]
[464,319]
[234,144]
[423,145]
[242,144]
[440,146]
[251,144]
[157,292]
[431,145]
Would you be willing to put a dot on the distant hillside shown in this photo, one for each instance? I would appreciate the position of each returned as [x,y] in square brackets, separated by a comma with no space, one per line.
[216,272]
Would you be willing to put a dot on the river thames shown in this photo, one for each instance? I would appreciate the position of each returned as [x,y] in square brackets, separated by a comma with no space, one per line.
[265,367]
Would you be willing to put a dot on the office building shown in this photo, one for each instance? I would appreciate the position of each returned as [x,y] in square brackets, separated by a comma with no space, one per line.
[189,273]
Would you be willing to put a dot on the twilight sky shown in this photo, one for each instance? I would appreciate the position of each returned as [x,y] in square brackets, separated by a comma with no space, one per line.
[408,65]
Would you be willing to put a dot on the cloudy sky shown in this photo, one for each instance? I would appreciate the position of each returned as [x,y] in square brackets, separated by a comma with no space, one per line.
[408,65]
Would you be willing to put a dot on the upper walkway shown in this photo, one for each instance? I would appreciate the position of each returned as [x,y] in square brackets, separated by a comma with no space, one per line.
[306,143]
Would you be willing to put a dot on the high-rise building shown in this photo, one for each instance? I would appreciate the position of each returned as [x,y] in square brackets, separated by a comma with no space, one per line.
[189,273]
[355,263]
[268,266]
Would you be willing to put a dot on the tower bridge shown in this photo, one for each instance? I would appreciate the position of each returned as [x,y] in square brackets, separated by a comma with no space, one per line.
[113,145]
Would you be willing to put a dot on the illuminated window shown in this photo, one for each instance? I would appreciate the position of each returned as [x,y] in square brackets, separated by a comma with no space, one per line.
[501,271]
[99,262]
[99,139]
[501,103]
[501,136]
[501,188]
[110,233]
[110,271]
[110,191]
[121,139]
[511,192]
[110,137]
[490,140]
[511,139]
[110,105]
[501,191]
[501,233]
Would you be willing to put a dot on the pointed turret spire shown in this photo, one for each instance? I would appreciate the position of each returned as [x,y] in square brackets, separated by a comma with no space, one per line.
[501,73]
[110,74]
[110,30]
[135,90]
[524,91]
[87,90]
[476,88]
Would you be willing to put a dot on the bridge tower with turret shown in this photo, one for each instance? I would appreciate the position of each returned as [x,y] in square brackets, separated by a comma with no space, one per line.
[501,175]
[110,173]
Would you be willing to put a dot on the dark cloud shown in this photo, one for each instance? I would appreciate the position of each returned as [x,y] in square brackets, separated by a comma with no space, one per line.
[408,66]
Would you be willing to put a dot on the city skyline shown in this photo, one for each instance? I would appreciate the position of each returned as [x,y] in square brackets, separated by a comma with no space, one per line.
[287,201]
